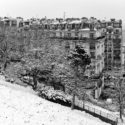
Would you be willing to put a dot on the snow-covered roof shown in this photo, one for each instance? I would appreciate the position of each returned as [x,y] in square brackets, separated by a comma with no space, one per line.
[75,22]
[55,22]
[36,22]
[103,21]
[64,22]
[9,18]
[110,27]
[85,29]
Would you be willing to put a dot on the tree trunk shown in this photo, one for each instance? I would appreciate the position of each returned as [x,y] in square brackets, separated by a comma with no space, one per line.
[73,101]
[121,113]
[5,65]
[75,87]
[34,82]
[120,100]
[121,109]
[5,61]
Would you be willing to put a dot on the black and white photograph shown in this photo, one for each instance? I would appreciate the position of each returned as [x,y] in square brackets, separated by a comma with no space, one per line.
[62,62]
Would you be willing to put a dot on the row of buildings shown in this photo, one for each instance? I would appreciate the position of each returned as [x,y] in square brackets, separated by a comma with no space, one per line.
[102,40]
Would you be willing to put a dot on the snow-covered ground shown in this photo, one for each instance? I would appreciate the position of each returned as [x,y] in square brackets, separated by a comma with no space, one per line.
[21,106]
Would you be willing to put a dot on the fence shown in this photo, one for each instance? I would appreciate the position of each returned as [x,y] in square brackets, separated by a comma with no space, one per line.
[83,105]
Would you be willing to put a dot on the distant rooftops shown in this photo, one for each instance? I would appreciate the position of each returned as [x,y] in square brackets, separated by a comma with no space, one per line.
[56,21]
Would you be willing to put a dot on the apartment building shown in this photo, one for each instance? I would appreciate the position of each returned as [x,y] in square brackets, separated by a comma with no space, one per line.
[76,29]
[113,44]
[94,48]
[87,34]
[97,55]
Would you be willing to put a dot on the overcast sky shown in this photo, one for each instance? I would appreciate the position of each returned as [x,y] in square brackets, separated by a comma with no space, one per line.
[55,8]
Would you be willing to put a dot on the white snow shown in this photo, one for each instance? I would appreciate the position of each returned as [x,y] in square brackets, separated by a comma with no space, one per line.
[21,106]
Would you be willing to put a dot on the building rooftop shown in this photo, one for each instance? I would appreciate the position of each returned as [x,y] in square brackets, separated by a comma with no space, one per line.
[75,22]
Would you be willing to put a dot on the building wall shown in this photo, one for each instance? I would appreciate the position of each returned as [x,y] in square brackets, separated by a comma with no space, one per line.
[84,34]
[97,55]
[123,50]
[97,61]
[113,45]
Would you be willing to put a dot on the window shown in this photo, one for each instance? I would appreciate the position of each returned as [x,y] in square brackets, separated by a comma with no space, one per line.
[98,47]
[116,25]
[20,24]
[60,34]
[103,25]
[109,23]
[69,34]
[109,49]
[102,54]
[109,43]
[54,34]
[76,34]
[92,55]
[59,27]
[92,72]
[73,26]
[67,45]
[98,65]
[69,27]
[117,31]
[46,26]
[109,56]
[63,26]
[110,37]
[92,46]
[91,35]
[99,57]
